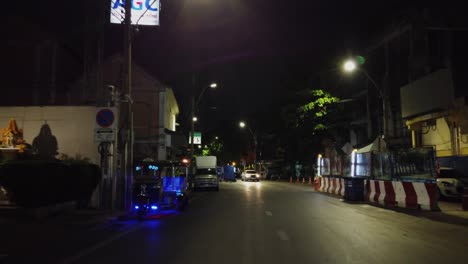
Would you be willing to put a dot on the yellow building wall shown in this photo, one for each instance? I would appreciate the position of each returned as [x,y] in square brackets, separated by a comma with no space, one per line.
[438,136]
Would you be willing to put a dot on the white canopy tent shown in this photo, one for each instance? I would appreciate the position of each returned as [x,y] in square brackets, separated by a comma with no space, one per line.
[378,145]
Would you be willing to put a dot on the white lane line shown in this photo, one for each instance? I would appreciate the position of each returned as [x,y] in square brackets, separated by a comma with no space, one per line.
[282,235]
[90,250]
[268,213]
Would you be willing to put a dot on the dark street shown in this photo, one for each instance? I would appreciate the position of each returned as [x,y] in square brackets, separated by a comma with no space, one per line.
[266,222]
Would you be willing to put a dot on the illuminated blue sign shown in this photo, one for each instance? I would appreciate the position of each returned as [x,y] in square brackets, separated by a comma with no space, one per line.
[144,12]
[136,5]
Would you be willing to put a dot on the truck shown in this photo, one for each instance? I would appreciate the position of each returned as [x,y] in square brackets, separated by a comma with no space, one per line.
[205,175]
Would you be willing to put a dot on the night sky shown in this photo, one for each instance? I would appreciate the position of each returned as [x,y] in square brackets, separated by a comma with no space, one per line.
[256,50]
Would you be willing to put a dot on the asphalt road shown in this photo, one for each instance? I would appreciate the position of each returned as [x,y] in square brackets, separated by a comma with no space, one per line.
[266,222]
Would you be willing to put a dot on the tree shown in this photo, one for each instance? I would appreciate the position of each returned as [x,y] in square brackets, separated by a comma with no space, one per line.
[214,148]
[306,120]
[315,111]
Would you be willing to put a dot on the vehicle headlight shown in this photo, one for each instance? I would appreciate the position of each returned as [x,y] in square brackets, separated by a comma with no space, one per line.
[258,175]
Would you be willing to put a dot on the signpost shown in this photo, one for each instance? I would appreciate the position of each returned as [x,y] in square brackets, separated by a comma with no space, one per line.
[196,138]
[105,118]
[104,135]
[105,125]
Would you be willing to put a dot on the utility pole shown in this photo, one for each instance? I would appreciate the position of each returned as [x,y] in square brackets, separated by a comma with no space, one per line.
[128,175]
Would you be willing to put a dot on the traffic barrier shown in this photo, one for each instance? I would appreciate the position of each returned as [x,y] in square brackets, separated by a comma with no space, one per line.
[290,179]
[413,195]
[317,183]
[341,191]
[310,180]
[330,185]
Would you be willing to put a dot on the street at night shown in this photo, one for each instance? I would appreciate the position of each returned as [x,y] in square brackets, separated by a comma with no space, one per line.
[247,222]
[233,131]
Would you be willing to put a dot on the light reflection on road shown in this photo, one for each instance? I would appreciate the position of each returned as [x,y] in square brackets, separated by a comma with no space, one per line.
[250,187]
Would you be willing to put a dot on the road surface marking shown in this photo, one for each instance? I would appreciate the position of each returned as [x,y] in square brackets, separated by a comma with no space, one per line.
[268,213]
[365,206]
[90,250]
[282,235]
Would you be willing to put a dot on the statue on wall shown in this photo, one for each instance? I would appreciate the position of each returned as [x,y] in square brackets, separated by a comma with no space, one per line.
[45,144]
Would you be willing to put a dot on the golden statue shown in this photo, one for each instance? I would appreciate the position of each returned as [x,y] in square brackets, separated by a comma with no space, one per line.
[12,137]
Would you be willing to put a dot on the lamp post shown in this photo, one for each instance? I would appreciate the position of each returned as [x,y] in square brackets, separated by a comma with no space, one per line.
[351,65]
[193,118]
[254,136]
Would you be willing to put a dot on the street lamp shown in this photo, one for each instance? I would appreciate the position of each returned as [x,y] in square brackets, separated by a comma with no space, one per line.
[350,66]
[194,118]
[242,124]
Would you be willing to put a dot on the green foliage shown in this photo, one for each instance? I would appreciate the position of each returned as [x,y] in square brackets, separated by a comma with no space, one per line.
[316,109]
[214,148]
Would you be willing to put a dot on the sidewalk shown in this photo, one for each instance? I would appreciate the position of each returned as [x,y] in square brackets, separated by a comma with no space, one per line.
[453,209]
[64,214]
[450,211]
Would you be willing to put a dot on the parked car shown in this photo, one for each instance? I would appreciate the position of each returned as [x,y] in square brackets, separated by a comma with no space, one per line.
[250,175]
[450,182]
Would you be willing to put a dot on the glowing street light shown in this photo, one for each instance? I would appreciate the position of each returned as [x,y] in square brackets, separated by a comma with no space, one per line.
[194,119]
[349,66]
[242,124]
[213,85]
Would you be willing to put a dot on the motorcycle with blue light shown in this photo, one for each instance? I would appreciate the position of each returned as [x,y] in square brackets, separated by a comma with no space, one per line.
[160,185]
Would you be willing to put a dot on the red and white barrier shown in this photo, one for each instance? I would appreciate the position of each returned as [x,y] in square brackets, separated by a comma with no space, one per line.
[331,185]
[403,194]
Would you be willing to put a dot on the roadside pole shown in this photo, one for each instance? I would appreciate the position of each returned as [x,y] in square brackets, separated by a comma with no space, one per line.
[192,137]
[126,178]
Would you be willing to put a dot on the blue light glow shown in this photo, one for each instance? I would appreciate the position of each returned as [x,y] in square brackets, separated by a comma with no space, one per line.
[137,207]
[138,168]
[154,207]
[152,167]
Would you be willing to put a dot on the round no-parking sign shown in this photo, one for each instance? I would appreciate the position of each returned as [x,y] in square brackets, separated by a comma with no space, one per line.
[105,118]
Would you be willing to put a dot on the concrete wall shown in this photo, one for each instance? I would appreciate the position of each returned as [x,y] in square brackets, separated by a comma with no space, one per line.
[73,126]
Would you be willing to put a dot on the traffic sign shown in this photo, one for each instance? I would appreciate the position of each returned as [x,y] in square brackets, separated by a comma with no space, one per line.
[104,135]
[196,138]
[105,118]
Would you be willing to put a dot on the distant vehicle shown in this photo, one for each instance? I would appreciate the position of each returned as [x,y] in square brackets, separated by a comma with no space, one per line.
[206,174]
[250,175]
[450,183]
[237,172]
